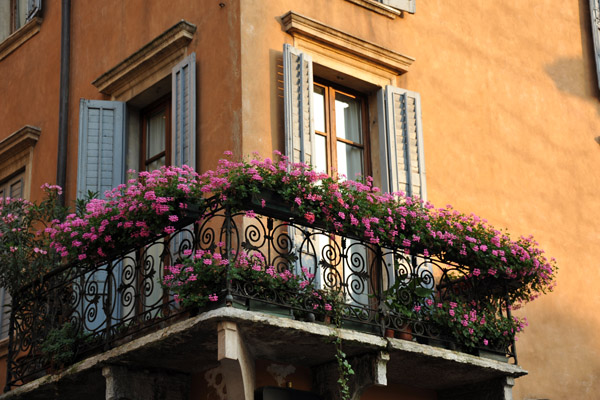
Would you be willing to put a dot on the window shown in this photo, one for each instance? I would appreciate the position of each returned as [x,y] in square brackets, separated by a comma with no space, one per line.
[13,186]
[14,14]
[325,125]
[595,15]
[143,133]
[341,137]
[404,5]
[156,135]
[313,111]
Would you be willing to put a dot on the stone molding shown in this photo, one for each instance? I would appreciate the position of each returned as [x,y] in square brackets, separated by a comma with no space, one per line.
[164,50]
[338,41]
[22,139]
[16,154]
[20,36]
[377,7]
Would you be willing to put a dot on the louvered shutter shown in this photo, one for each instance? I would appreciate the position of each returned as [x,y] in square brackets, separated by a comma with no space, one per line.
[404,5]
[595,14]
[183,132]
[5,300]
[34,8]
[101,164]
[297,97]
[401,142]
[101,167]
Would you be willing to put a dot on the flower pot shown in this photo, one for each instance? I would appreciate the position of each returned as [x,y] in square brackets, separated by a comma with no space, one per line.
[405,332]
[275,205]
[390,333]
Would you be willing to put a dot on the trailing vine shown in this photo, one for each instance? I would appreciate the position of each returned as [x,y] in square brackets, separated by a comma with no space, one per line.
[344,367]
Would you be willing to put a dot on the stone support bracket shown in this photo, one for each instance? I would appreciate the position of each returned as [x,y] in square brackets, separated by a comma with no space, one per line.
[237,362]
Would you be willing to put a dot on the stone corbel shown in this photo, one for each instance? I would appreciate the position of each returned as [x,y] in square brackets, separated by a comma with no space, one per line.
[237,363]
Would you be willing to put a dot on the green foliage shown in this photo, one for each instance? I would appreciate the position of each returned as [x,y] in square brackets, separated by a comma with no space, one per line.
[24,248]
[60,345]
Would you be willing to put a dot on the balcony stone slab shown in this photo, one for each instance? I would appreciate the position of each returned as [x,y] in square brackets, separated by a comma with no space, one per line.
[191,345]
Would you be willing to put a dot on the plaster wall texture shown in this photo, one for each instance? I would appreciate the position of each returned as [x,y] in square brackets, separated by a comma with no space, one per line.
[510,109]
[510,112]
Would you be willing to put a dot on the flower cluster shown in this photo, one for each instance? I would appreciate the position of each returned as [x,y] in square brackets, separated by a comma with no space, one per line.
[473,324]
[392,220]
[201,278]
[24,254]
[148,206]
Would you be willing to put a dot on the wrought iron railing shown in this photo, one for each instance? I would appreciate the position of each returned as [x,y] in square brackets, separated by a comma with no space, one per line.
[108,302]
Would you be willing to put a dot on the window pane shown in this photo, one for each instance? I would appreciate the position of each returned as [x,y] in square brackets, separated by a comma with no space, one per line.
[347,118]
[350,160]
[16,189]
[320,153]
[21,13]
[156,164]
[156,134]
[4,18]
[319,108]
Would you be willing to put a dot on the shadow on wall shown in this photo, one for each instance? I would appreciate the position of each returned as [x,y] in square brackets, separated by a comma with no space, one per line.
[577,76]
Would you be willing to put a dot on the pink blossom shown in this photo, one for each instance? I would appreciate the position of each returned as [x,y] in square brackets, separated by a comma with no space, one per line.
[310,217]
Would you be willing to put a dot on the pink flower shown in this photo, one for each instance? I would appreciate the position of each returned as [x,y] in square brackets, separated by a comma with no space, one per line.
[310,217]
[213,297]
[169,230]
[173,218]
[476,272]
[298,201]
[485,342]
[328,307]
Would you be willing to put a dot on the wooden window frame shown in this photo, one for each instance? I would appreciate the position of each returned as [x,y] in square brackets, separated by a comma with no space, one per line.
[331,138]
[163,103]
[7,182]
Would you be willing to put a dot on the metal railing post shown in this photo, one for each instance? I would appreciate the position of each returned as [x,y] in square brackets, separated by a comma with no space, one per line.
[228,249]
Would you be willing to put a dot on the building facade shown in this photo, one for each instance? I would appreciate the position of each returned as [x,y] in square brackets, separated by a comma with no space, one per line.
[491,107]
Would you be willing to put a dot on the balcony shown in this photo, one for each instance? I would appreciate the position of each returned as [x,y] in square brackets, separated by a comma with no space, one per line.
[67,327]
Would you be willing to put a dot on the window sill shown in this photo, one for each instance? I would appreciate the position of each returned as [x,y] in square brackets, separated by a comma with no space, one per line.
[20,36]
[377,7]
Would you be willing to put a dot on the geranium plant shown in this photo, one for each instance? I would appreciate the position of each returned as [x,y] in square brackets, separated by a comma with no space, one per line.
[24,250]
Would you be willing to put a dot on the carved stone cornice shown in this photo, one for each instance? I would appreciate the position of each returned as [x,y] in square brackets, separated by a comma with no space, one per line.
[161,51]
[300,26]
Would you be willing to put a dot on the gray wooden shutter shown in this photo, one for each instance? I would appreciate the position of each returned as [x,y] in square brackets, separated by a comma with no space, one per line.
[595,14]
[404,5]
[183,132]
[34,8]
[297,97]
[101,165]
[5,300]
[401,142]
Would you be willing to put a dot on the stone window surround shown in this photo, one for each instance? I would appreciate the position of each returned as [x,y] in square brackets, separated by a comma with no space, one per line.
[16,152]
[379,8]
[20,36]
[148,65]
[344,52]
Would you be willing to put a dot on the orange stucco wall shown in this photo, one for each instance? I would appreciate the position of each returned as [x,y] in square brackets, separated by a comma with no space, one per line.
[510,110]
